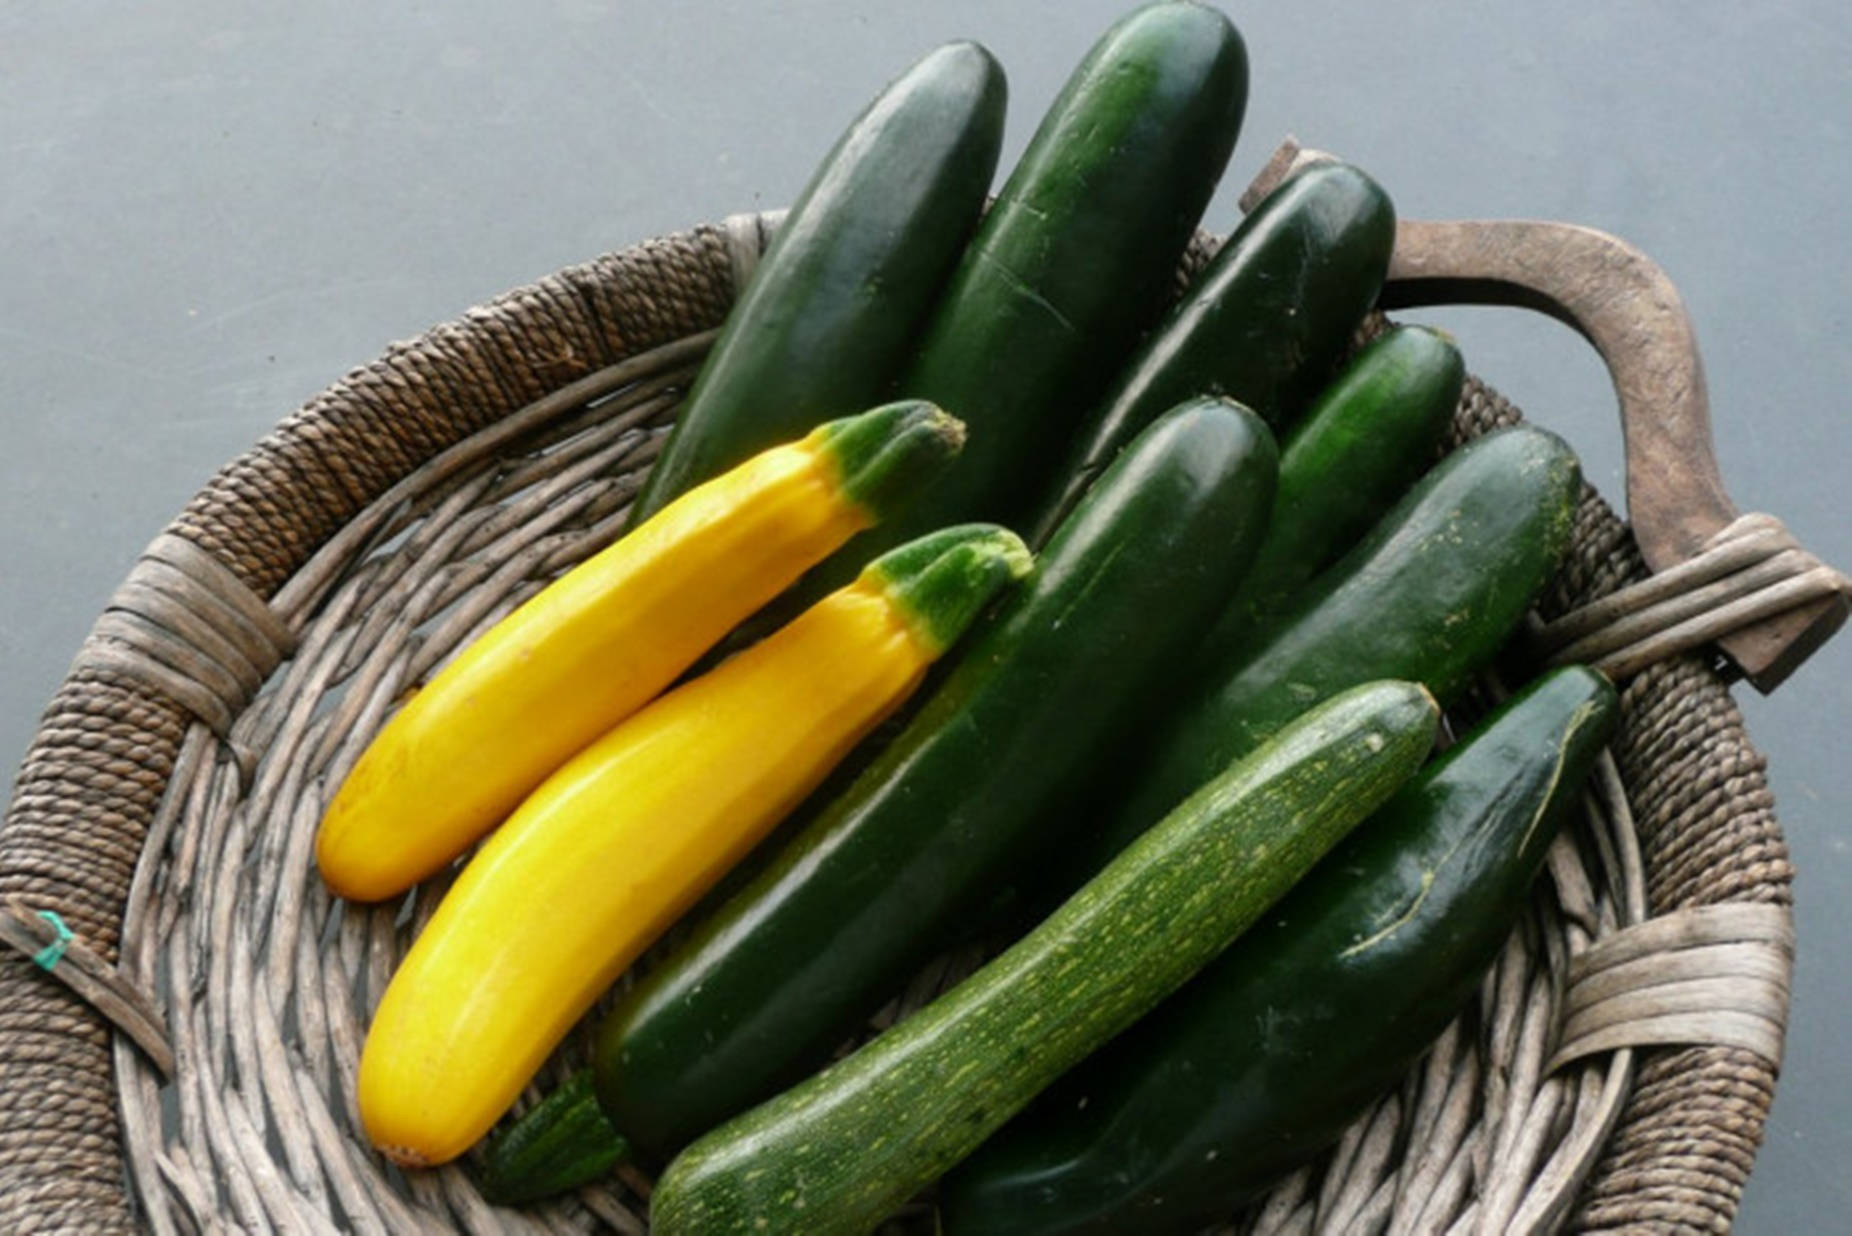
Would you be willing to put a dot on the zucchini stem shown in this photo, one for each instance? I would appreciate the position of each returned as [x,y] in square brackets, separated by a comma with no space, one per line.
[942,581]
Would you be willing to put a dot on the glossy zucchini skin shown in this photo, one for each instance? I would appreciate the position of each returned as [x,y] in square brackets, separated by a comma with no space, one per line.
[1264,1058]
[831,313]
[1265,323]
[1073,261]
[844,1149]
[988,771]
[1430,595]
[1369,436]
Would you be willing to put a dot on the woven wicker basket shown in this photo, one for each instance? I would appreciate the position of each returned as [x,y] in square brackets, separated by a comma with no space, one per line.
[1616,1070]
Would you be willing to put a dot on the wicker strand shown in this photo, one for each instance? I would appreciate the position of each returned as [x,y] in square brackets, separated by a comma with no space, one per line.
[748,237]
[1751,570]
[67,958]
[1747,541]
[1714,974]
[304,586]
[189,628]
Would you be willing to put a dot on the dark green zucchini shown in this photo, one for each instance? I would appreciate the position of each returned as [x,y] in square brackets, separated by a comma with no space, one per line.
[1430,595]
[1264,323]
[986,772]
[1370,435]
[829,317]
[844,1149]
[1073,261]
[1264,1057]
[563,1141]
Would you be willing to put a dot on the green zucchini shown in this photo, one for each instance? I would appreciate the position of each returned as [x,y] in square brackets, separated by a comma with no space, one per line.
[1264,1058]
[985,773]
[1073,261]
[1370,435]
[1430,595]
[563,1141]
[829,317]
[842,1150]
[1264,323]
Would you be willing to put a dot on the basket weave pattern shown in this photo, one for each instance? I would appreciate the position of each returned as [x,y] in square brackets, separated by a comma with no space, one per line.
[167,815]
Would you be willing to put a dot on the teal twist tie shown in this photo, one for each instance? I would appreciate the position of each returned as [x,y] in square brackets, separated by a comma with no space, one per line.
[53,953]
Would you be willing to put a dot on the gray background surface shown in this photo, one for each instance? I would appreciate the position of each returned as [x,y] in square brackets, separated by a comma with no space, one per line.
[209,211]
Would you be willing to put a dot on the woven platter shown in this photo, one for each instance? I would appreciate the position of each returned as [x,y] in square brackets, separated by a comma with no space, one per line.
[186,1062]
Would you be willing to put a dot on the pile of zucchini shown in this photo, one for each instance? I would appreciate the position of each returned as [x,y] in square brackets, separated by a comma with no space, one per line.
[1176,767]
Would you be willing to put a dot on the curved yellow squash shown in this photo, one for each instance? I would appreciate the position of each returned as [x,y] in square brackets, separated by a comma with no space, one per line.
[604,639]
[612,848]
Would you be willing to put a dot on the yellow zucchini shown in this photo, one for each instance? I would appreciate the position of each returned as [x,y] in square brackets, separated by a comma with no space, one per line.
[608,636]
[604,856]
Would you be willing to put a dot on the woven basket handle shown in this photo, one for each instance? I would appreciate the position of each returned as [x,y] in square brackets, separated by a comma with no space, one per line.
[1786,604]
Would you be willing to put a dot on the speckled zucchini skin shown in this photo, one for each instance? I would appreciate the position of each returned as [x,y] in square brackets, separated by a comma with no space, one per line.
[1430,595]
[844,1149]
[992,770]
[830,315]
[1264,323]
[1264,1058]
[1371,434]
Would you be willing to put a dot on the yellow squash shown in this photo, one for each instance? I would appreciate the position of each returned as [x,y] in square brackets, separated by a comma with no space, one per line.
[613,847]
[607,637]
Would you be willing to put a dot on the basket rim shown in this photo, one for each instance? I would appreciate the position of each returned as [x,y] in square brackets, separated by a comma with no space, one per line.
[492,344]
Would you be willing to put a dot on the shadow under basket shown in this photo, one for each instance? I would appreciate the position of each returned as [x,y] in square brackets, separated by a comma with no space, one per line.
[181,1021]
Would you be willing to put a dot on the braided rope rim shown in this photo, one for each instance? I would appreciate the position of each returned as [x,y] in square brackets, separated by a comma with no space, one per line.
[226,920]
